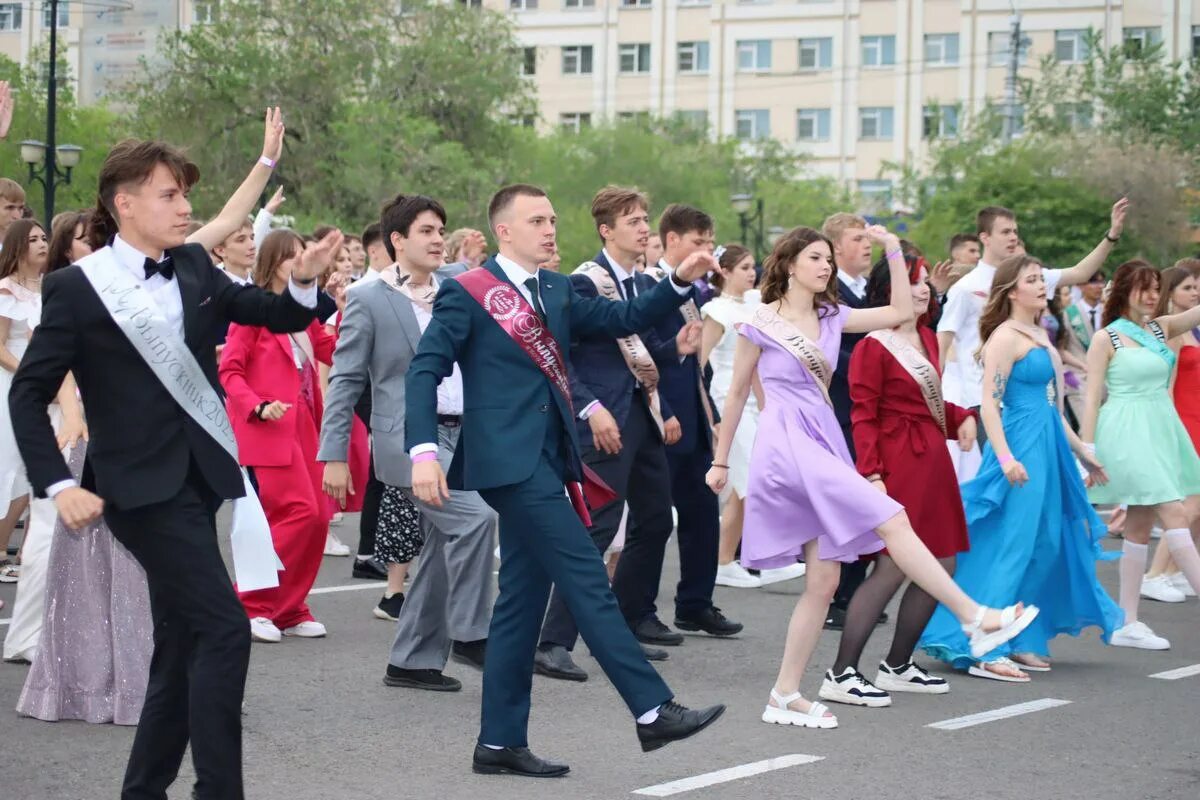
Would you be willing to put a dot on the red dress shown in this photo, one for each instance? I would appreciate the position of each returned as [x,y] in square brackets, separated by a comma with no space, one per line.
[897,438]
[1187,391]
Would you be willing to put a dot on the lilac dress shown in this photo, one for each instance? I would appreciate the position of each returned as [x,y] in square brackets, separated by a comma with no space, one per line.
[94,658]
[803,484]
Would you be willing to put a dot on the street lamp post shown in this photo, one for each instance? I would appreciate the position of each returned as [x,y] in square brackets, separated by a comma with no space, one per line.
[43,158]
[751,223]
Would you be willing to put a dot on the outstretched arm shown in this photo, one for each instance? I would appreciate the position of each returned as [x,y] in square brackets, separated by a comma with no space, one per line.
[899,310]
[1091,263]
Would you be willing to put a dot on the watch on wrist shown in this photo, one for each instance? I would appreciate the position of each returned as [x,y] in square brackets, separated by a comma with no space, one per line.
[680,282]
[1108,235]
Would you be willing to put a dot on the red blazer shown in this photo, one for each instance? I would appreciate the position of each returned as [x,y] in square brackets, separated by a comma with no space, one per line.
[258,366]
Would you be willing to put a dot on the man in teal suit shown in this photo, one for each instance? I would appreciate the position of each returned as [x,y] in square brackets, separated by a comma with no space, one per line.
[508,325]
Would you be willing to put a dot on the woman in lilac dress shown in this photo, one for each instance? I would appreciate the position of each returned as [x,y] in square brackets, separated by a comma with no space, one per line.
[93,660]
[805,496]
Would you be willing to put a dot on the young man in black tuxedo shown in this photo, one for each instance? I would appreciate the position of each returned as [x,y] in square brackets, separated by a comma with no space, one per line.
[153,470]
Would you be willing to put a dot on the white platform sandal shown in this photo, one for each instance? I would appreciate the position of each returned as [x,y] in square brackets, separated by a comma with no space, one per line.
[981,671]
[782,715]
[1010,625]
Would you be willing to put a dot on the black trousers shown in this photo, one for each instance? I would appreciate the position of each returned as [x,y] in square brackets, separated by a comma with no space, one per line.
[201,648]
[699,530]
[368,520]
[639,475]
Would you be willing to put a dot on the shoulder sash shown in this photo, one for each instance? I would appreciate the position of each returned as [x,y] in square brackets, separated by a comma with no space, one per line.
[919,369]
[790,338]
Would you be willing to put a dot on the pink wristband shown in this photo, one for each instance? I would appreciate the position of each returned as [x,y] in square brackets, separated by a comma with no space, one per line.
[426,456]
[1004,460]
[266,162]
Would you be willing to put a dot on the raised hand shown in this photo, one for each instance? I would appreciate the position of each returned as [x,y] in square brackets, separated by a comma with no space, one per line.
[883,237]
[696,266]
[317,257]
[276,201]
[939,276]
[474,248]
[1117,223]
[273,134]
[6,108]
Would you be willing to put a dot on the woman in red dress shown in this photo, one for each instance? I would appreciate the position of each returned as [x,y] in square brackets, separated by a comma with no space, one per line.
[900,425]
[274,401]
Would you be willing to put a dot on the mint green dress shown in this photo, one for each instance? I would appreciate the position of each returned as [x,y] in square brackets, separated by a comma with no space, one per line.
[1140,439]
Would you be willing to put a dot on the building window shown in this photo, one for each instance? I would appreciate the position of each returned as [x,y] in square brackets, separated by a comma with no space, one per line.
[1070,46]
[523,120]
[1196,41]
[875,123]
[1000,49]
[879,51]
[577,60]
[579,3]
[522,5]
[575,122]
[693,57]
[635,3]
[941,49]
[1076,116]
[64,14]
[471,3]
[10,16]
[877,194]
[753,124]
[697,119]
[940,122]
[634,58]
[816,53]
[1139,40]
[754,55]
[641,118]
[528,60]
[812,124]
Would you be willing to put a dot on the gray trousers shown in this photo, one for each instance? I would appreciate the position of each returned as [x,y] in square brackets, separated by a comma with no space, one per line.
[451,594]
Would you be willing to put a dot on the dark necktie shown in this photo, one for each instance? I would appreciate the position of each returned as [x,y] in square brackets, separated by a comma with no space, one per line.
[1093,315]
[532,285]
[628,284]
[166,268]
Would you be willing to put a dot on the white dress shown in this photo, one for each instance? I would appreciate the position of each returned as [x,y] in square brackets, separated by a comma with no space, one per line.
[23,309]
[730,313]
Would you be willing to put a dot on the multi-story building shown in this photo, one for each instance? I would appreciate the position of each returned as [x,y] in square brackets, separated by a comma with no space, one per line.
[850,83]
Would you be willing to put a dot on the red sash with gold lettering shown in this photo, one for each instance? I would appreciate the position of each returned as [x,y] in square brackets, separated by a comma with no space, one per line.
[508,308]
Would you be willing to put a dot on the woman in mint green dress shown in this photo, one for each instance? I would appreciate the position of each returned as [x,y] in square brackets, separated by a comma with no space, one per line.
[1137,434]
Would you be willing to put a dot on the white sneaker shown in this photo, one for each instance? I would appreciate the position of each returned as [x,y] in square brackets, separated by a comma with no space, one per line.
[263,630]
[337,518]
[781,574]
[853,689]
[1162,589]
[735,575]
[1138,634]
[1180,582]
[909,678]
[309,629]
[334,546]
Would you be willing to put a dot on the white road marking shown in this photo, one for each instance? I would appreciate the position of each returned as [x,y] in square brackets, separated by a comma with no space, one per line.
[726,775]
[5,621]
[1005,712]
[1176,674]
[350,587]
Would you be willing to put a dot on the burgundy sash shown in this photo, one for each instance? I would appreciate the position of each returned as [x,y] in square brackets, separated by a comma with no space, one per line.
[504,304]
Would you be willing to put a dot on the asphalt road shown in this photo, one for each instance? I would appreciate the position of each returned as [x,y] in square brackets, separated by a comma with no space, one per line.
[320,724]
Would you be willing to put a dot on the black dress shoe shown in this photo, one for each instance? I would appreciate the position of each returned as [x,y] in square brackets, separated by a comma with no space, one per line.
[710,620]
[515,761]
[469,653]
[883,618]
[652,631]
[654,654]
[835,620]
[389,607]
[429,679]
[674,723]
[554,661]
[369,569]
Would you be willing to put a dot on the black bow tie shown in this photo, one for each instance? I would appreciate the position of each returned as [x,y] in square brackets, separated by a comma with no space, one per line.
[166,268]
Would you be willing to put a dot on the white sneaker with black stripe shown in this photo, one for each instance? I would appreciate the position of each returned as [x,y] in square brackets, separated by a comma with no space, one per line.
[909,678]
[853,689]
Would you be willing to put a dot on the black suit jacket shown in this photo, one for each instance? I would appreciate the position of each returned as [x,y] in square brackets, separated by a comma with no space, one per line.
[839,388]
[142,442]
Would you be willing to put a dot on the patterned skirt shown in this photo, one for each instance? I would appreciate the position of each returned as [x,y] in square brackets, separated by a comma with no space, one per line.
[398,538]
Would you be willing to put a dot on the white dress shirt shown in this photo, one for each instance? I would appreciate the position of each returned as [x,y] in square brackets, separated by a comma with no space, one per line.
[450,390]
[368,276]
[622,275]
[1093,314]
[857,286]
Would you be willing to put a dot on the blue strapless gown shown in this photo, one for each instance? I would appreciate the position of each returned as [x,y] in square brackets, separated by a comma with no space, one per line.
[1038,543]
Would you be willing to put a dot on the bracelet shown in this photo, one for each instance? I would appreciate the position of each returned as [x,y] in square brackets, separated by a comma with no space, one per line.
[722,466]
[266,162]
[429,455]
[1006,459]
[258,409]
[888,254]
[1110,238]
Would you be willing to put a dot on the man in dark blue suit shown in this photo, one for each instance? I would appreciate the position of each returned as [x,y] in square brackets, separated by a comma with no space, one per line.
[686,230]
[509,328]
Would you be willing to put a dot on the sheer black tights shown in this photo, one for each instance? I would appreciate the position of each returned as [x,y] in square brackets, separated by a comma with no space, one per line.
[872,597]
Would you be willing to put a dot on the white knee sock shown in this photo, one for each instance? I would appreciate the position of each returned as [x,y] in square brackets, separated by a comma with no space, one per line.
[1133,566]
[1183,550]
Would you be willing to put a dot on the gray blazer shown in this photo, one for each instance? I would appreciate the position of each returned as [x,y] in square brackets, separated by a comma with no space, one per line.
[377,340]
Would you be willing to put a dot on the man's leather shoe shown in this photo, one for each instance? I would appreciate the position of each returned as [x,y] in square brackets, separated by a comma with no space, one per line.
[369,569]
[429,679]
[554,661]
[835,620]
[515,761]
[711,621]
[674,723]
[652,631]
[469,653]
[654,654]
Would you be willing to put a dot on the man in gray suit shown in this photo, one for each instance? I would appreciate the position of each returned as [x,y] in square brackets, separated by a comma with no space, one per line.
[448,608]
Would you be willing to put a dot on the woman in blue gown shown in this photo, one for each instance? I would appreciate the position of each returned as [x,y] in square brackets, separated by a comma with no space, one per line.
[1033,532]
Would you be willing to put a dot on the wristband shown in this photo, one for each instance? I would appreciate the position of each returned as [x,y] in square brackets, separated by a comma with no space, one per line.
[1110,238]
[421,458]
[266,162]
[1006,460]
[888,254]
[258,409]
[722,466]
[1089,448]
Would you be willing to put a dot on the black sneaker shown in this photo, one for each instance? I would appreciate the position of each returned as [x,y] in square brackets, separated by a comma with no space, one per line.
[651,630]
[369,569]
[429,679]
[853,689]
[389,607]
[469,653]
[710,620]
[835,620]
